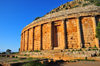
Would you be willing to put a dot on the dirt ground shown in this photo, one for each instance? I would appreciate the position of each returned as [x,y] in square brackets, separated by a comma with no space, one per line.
[79,63]
[82,63]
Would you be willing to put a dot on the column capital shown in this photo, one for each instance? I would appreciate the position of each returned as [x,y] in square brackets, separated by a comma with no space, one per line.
[79,32]
[94,26]
[51,22]
[78,17]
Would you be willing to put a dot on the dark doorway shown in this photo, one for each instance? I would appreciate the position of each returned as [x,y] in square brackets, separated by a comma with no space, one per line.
[55,37]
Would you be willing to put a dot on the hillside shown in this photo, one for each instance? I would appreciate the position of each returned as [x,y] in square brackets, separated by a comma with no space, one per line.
[74,4]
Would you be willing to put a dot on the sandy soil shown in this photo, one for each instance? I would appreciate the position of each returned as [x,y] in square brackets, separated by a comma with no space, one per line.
[7,59]
[82,63]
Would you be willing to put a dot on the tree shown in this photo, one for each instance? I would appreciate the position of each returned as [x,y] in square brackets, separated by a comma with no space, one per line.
[3,53]
[96,2]
[19,49]
[8,51]
[37,18]
[98,31]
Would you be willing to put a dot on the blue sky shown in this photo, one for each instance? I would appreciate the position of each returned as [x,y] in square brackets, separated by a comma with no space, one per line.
[16,14]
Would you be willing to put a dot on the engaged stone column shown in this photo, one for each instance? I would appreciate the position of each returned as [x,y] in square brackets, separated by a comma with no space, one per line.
[37,37]
[41,46]
[79,33]
[30,44]
[46,36]
[26,40]
[51,36]
[64,34]
[94,26]
[33,39]
[21,43]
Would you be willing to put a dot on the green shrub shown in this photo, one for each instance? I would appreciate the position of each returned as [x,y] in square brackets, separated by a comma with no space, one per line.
[25,54]
[36,51]
[37,18]
[64,6]
[85,58]
[80,50]
[30,58]
[95,46]
[98,31]
[75,6]
[96,2]
[15,60]
[85,4]
[72,61]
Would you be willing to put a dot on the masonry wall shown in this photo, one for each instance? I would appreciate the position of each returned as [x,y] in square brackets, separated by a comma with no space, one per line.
[30,44]
[46,37]
[72,33]
[37,38]
[26,40]
[58,35]
[61,34]
[88,32]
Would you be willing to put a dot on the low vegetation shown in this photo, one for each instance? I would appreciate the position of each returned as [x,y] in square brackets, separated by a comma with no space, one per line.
[37,18]
[96,2]
[36,51]
[74,4]
[98,31]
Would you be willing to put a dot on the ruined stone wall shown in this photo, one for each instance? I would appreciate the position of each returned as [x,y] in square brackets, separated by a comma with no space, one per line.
[31,46]
[26,40]
[23,42]
[88,32]
[21,49]
[46,37]
[72,35]
[37,38]
[77,32]
[58,33]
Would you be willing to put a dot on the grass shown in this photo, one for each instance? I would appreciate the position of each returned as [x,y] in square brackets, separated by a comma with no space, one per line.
[72,61]
[15,60]
[86,59]
[85,4]
[36,51]
[29,59]
[25,54]
[98,4]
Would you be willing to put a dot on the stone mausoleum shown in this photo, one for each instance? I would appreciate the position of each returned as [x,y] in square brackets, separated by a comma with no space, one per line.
[73,28]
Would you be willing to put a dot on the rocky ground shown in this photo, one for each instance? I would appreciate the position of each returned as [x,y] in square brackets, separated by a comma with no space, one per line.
[70,57]
[58,63]
[67,54]
[82,63]
[5,61]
